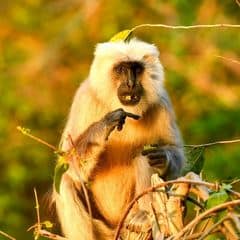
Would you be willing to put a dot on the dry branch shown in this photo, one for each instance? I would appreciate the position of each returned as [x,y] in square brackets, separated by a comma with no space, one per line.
[38,231]
[50,235]
[228,59]
[213,143]
[168,211]
[238,2]
[27,133]
[204,214]
[6,235]
[155,188]
[182,27]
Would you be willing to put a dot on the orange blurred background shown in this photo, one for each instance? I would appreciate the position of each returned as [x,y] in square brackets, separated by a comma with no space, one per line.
[46,49]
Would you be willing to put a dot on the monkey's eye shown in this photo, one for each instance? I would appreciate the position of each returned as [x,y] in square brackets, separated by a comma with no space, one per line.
[120,69]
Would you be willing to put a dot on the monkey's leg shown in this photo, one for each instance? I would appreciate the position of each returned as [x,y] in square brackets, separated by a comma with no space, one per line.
[167,160]
[138,222]
[89,145]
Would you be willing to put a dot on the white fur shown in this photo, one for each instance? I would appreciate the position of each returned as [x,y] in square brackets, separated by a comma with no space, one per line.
[109,53]
[112,185]
[134,50]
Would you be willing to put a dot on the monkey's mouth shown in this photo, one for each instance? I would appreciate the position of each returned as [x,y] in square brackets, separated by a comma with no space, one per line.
[129,99]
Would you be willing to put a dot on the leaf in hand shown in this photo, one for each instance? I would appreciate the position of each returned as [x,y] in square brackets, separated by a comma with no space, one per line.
[148,148]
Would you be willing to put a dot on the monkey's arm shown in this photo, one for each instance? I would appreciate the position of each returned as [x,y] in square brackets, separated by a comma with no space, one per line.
[86,149]
[83,156]
[167,155]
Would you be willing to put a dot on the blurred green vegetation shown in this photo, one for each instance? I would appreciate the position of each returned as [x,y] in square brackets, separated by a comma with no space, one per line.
[46,49]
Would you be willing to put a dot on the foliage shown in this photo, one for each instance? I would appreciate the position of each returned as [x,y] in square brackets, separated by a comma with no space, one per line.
[46,49]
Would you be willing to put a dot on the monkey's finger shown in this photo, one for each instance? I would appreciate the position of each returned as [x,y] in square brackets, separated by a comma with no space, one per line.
[109,132]
[121,122]
[157,161]
[120,125]
[160,157]
[131,115]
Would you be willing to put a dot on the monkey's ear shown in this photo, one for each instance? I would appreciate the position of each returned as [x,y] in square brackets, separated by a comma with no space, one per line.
[149,58]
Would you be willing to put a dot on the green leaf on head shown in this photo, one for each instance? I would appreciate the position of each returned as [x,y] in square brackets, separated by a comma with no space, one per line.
[124,35]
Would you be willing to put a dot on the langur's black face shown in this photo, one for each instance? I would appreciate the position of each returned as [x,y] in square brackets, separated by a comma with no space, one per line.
[128,75]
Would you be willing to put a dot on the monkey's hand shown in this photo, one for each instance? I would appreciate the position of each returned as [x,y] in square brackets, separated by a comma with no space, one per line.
[158,158]
[116,119]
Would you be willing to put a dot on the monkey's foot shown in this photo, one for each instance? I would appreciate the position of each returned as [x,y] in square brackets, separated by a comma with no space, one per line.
[140,222]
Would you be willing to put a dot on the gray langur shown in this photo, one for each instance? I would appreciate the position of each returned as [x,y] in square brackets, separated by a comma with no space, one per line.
[124,91]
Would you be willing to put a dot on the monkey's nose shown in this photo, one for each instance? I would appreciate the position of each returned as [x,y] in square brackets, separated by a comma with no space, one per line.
[130,84]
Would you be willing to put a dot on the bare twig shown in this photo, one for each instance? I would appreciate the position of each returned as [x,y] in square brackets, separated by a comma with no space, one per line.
[236,181]
[238,2]
[6,235]
[228,59]
[214,226]
[27,133]
[152,189]
[203,215]
[155,217]
[38,225]
[213,143]
[49,235]
[196,235]
[237,194]
[219,25]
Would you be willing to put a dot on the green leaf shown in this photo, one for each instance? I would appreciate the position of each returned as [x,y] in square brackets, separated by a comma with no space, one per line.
[214,236]
[60,169]
[124,35]
[216,198]
[47,224]
[226,186]
[220,215]
[195,160]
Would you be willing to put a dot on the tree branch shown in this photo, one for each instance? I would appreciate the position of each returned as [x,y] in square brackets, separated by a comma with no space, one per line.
[6,235]
[203,215]
[228,59]
[219,25]
[238,2]
[26,132]
[213,143]
[153,189]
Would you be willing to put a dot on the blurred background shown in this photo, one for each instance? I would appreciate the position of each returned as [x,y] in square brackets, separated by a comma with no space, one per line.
[46,48]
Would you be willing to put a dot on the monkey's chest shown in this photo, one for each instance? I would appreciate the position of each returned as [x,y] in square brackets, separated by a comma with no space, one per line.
[112,190]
